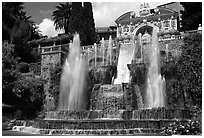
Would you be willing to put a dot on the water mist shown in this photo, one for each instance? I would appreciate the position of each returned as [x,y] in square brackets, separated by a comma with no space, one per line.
[155,93]
[71,95]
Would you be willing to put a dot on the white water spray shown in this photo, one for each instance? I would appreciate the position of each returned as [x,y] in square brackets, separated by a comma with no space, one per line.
[155,93]
[71,95]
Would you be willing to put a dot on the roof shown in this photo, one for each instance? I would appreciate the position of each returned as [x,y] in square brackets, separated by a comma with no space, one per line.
[166,4]
[106,29]
[162,13]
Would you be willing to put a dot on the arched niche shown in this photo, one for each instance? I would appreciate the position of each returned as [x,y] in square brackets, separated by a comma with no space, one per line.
[142,28]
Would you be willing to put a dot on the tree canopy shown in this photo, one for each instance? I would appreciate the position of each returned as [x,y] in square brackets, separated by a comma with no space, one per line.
[23,91]
[190,68]
[18,28]
[20,88]
[75,18]
[191,15]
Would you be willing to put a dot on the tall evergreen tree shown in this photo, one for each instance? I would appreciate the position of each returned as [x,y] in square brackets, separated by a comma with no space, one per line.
[82,22]
[191,15]
[76,18]
[89,25]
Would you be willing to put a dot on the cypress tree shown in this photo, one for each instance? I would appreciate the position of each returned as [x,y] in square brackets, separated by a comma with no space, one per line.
[82,22]
[75,19]
[89,23]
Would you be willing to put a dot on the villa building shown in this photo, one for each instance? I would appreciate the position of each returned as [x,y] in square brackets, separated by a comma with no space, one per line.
[166,19]
[105,32]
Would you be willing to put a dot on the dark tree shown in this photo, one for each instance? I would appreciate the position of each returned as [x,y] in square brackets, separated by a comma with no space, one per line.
[82,22]
[61,16]
[18,28]
[89,25]
[10,14]
[191,15]
[76,24]
[10,73]
[16,24]
[18,89]
[190,68]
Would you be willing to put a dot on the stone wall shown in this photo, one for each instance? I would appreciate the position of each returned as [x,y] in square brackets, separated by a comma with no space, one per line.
[50,58]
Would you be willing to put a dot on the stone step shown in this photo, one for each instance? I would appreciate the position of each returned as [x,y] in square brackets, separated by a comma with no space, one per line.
[122,114]
[100,124]
[100,132]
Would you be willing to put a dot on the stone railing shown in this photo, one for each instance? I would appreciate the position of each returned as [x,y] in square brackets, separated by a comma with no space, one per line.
[55,48]
[89,52]
[172,37]
[193,32]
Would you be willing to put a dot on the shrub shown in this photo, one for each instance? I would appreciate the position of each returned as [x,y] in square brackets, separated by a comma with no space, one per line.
[24,67]
[190,67]
[179,128]
[29,90]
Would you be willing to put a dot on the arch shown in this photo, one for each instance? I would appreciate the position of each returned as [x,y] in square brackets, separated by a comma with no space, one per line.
[141,26]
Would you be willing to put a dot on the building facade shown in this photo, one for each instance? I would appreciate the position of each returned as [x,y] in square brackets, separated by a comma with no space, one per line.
[164,18]
[105,32]
[132,26]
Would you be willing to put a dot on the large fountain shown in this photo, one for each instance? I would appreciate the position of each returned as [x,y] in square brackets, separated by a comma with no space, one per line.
[155,93]
[73,79]
[125,106]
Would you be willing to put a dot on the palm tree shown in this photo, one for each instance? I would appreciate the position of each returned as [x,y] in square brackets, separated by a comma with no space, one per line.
[61,16]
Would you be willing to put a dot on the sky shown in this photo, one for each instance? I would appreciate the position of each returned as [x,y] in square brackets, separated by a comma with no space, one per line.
[105,13]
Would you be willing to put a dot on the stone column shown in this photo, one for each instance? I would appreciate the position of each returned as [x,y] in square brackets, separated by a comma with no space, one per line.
[95,52]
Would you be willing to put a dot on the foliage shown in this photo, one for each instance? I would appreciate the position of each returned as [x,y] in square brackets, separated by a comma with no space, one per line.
[89,25]
[190,68]
[174,93]
[30,90]
[16,23]
[191,15]
[61,16]
[10,13]
[18,29]
[9,72]
[18,89]
[24,67]
[179,128]
[54,89]
[81,21]
[76,23]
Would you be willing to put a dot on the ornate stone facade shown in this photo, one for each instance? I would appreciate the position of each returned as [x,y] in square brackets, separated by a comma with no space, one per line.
[132,27]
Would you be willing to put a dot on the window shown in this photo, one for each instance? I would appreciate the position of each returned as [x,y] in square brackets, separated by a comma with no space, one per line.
[166,24]
[173,24]
[126,29]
